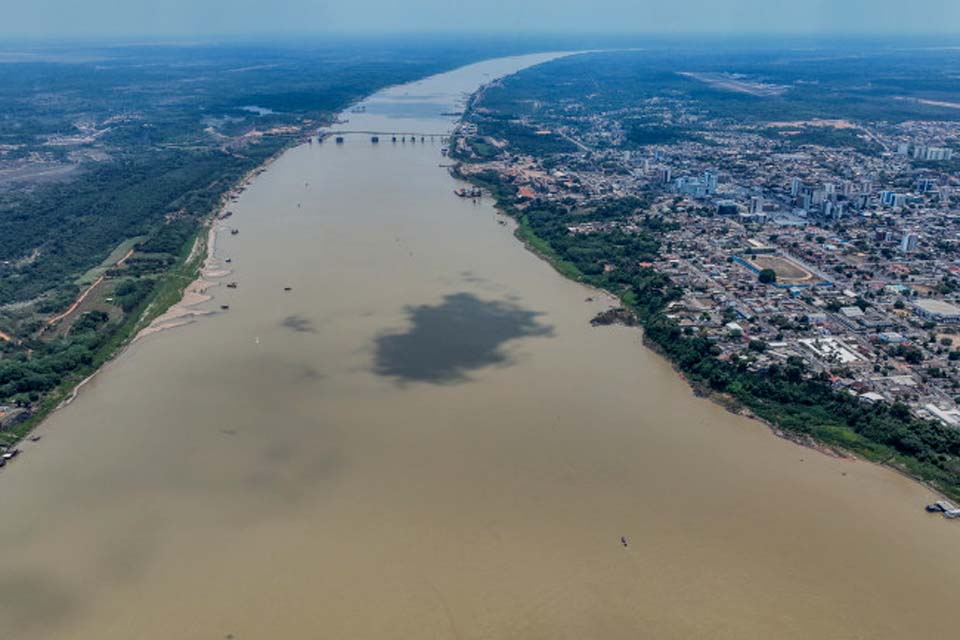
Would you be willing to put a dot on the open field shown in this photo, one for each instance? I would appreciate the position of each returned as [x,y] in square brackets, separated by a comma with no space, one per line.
[110,261]
[815,122]
[736,84]
[932,103]
[788,272]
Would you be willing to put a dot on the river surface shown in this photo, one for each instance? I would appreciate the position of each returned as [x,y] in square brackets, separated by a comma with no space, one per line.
[425,438]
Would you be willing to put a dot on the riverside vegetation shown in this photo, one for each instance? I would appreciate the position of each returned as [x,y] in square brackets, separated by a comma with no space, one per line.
[111,160]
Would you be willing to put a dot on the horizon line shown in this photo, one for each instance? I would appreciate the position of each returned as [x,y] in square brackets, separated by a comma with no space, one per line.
[353,34]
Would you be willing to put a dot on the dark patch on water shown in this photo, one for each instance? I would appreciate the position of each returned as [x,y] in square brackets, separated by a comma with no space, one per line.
[309,373]
[471,277]
[298,324]
[448,340]
[32,601]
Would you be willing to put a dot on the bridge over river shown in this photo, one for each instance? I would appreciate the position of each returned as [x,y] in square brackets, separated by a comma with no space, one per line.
[413,135]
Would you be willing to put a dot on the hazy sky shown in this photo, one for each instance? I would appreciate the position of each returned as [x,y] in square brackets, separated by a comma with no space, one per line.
[200,17]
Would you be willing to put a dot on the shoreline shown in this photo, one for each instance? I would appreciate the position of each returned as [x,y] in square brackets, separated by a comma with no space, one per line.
[179,313]
[728,403]
[183,310]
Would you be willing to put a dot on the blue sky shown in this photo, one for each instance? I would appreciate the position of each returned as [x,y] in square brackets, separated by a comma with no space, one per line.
[209,17]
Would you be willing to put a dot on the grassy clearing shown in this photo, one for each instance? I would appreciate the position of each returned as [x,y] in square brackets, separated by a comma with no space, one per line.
[121,250]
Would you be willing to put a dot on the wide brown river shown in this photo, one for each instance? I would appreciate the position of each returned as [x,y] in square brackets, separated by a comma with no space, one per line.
[425,438]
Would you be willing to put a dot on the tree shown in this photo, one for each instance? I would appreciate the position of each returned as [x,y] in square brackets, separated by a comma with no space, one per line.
[767,276]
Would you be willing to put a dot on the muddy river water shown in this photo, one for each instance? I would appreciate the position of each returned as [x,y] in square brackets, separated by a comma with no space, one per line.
[425,438]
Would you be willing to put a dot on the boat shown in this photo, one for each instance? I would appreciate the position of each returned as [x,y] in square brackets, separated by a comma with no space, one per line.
[288,288]
[234,232]
[947,508]
[10,454]
[224,306]
[231,285]
[941,506]
[339,140]
[228,260]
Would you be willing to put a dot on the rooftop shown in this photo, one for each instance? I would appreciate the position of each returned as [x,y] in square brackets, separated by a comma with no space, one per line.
[939,307]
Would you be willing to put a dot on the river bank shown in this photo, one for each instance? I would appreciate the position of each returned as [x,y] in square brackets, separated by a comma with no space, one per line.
[179,294]
[826,440]
[173,302]
[426,420]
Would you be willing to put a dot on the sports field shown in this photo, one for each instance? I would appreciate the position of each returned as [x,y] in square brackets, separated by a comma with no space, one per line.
[788,271]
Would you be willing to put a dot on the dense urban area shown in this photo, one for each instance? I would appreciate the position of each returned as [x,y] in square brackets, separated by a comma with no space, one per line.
[786,229]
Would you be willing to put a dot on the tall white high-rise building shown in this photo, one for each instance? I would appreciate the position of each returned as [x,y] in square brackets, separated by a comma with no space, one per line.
[710,182]
[908,243]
